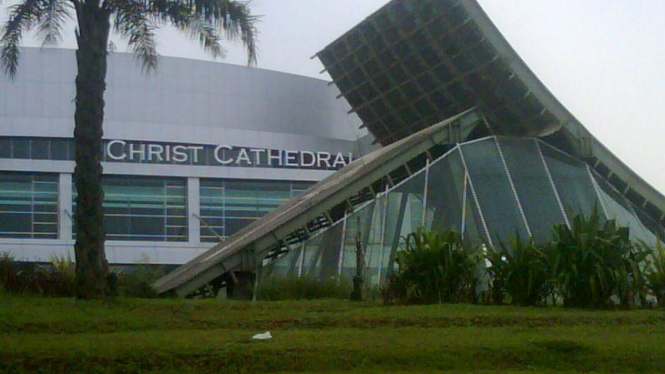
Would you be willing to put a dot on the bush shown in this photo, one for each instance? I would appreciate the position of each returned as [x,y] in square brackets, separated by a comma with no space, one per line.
[17,278]
[302,288]
[655,275]
[433,268]
[58,279]
[136,281]
[593,262]
[521,271]
[7,267]
[63,274]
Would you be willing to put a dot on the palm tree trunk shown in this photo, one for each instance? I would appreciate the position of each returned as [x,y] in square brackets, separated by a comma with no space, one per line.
[92,37]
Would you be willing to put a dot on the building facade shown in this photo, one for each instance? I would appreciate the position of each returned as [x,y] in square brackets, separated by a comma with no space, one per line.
[472,140]
[193,153]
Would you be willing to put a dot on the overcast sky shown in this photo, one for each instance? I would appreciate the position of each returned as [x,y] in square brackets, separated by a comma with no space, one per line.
[605,60]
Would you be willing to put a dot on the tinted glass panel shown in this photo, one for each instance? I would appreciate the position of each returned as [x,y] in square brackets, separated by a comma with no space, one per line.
[144,208]
[533,186]
[5,148]
[404,215]
[445,192]
[357,223]
[40,149]
[28,205]
[59,149]
[493,189]
[619,209]
[21,148]
[572,180]
[227,206]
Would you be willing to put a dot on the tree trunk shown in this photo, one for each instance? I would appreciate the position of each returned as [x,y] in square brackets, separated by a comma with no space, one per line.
[92,37]
[357,293]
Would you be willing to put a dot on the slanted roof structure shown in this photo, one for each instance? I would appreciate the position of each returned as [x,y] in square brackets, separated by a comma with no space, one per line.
[407,71]
[322,205]
[416,62]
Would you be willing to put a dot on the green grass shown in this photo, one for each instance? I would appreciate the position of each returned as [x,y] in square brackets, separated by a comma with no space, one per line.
[180,336]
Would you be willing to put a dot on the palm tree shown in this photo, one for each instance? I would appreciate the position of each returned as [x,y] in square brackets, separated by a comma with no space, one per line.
[209,21]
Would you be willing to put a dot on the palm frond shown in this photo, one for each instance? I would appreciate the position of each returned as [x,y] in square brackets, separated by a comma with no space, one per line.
[131,19]
[22,17]
[52,17]
[230,19]
[207,34]
[237,20]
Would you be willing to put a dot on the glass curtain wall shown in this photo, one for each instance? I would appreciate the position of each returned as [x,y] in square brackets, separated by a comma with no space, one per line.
[28,206]
[490,190]
[227,206]
[144,208]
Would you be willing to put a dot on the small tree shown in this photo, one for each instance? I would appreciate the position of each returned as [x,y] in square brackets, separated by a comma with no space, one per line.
[357,294]
[136,20]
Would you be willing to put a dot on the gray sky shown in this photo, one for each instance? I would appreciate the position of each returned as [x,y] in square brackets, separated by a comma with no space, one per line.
[605,60]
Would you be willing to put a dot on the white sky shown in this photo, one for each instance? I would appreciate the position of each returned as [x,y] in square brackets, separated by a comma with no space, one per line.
[605,60]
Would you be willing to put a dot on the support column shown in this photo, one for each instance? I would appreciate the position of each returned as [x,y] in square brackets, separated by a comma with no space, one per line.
[194,210]
[398,231]
[65,214]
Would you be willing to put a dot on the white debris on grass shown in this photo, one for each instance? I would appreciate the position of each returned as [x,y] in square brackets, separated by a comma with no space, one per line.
[264,336]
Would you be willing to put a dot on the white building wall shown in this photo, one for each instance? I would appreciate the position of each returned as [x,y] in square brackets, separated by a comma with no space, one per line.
[184,101]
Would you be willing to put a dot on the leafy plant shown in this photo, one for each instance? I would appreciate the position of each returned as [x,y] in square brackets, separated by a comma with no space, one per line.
[137,280]
[655,275]
[63,275]
[433,268]
[521,271]
[7,267]
[594,262]
[23,278]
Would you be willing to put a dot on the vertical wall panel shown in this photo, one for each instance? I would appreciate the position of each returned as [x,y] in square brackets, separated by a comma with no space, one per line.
[493,190]
[533,186]
[572,182]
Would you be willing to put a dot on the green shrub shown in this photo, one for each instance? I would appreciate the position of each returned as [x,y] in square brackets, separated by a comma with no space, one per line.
[594,262]
[433,268]
[521,271]
[302,288]
[8,267]
[655,275]
[136,281]
[21,278]
[63,275]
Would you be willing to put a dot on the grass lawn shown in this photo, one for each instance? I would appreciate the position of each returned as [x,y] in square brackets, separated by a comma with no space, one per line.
[185,336]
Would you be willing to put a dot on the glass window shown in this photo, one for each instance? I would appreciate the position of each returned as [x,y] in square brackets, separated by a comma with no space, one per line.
[5,148]
[404,216]
[619,209]
[144,208]
[40,149]
[445,192]
[358,223]
[533,186]
[227,206]
[213,198]
[28,206]
[21,148]
[311,255]
[492,186]
[284,265]
[327,266]
[572,181]
[60,148]
[654,227]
